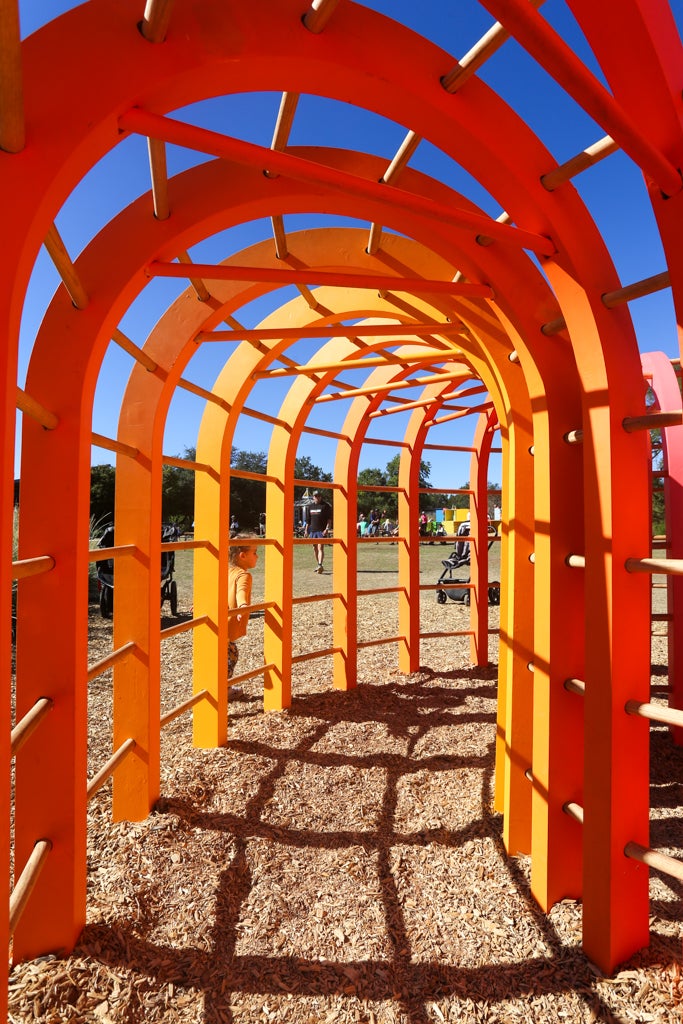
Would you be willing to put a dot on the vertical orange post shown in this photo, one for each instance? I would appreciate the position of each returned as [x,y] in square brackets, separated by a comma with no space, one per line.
[479,550]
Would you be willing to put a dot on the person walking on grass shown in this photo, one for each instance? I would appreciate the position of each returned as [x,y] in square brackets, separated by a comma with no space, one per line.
[318,521]
[242,558]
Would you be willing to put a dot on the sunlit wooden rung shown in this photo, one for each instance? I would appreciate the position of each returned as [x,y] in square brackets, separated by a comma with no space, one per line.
[574,437]
[553,326]
[108,769]
[660,861]
[26,883]
[575,686]
[280,238]
[65,268]
[29,723]
[647,286]
[100,554]
[285,119]
[667,566]
[574,811]
[513,356]
[156,19]
[12,125]
[319,14]
[200,392]
[182,627]
[35,410]
[111,445]
[403,155]
[308,296]
[312,655]
[378,641]
[653,420]
[245,676]
[575,561]
[180,709]
[655,712]
[528,774]
[587,158]
[133,350]
[158,170]
[480,52]
[104,664]
[203,293]
[32,566]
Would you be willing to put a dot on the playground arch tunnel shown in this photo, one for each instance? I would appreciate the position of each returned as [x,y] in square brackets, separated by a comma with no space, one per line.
[423,286]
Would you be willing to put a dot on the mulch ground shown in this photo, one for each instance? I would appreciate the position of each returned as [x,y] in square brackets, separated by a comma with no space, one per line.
[339,862]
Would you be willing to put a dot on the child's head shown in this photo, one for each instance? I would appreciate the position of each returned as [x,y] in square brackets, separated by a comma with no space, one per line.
[243,550]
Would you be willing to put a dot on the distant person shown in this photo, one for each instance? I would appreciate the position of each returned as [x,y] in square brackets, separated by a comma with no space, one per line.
[242,558]
[262,524]
[319,519]
[234,525]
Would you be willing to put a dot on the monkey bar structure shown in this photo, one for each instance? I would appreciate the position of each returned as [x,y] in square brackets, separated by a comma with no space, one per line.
[379,286]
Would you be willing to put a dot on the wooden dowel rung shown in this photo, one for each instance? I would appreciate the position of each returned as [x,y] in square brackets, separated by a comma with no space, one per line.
[29,723]
[575,686]
[32,566]
[183,627]
[108,769]
[245,676]
[312,655]
[319,14]
[180,709]
[574,437]
[576,561]
[30,407]
[279,237]
[101,666]
[12,125]
[478,55]
[159,173]
[666,566]
[653,421]
[134,350]
[65,268]
[203,293]
[574,811]
[110,445]
[553,326]
[285,120]
[156,20]
[655,712]
[660,861]
[648,285]
[26,883]
[587,158]
[102,554]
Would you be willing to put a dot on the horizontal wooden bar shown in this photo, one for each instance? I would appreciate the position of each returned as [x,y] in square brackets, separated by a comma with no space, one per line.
[581,162]
[208,396]
[287,276]
[312,598]
[183,627]
[575,686]
[448,633]
[386,358]
[134,350]
[660,861]
[667,566]
[108,769]
[65,268]
[655,712]
[648,286]
[250,675]
[35,410]
[300,169]
[25,567]
[573,810]
[102,554]
[104,664]
[27,881]
[110,445]
[312,655]
[378,641]
[180,709]
[653,421]
[574,437]
[29,723]
[372,592]
[194,467]
[575,561]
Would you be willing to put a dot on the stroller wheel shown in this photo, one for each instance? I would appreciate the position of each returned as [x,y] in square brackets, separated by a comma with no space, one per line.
[441,596]
[173,597]
[466,598]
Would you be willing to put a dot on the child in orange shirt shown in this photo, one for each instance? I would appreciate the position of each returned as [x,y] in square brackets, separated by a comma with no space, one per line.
[243,557]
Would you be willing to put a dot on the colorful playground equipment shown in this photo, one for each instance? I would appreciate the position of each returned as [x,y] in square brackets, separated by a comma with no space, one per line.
[402,277]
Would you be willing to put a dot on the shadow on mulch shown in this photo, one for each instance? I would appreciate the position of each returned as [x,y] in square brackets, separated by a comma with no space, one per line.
[407,710]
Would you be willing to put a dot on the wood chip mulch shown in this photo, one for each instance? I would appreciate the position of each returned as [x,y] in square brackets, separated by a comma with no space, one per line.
[339,862]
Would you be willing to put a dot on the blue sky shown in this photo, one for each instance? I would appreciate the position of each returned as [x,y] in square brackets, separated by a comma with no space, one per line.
[609,189]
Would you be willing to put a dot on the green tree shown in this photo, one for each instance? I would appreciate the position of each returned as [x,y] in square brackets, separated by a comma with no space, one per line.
[102,493]
[304,469]
[177,492]
[248,497]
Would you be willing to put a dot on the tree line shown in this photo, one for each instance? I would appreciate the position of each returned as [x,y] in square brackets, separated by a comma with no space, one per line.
[248,497]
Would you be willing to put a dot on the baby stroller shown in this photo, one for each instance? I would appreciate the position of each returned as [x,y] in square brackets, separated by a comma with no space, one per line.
[105,573]
[454,587]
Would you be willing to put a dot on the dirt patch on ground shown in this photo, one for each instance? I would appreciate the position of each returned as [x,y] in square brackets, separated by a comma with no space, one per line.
[339,862]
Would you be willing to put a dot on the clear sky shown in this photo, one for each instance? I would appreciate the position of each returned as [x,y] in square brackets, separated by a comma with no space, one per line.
[613,192]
